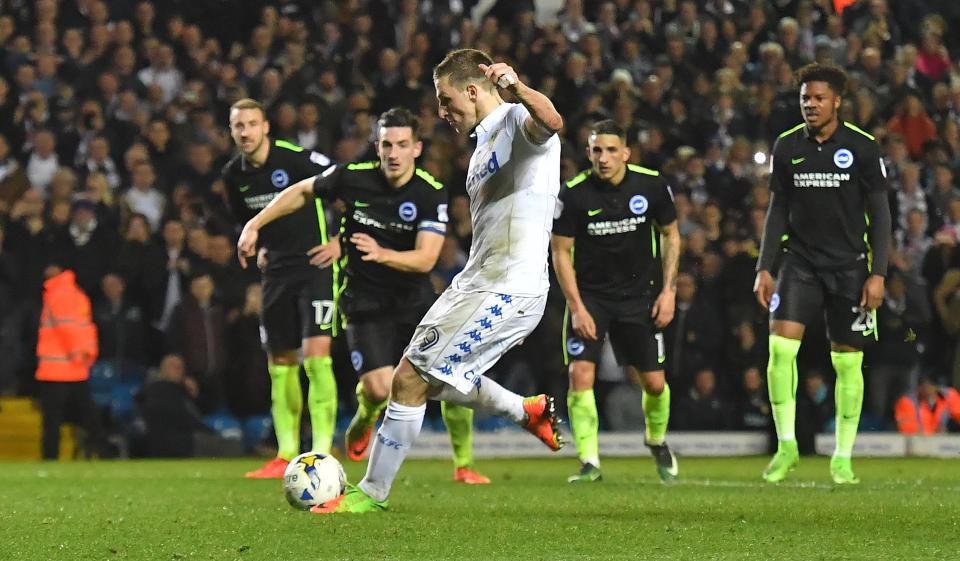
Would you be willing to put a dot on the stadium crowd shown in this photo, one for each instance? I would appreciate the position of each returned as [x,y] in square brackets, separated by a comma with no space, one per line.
[113,133]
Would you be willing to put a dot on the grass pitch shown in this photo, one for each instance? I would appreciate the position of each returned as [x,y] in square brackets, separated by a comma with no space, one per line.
[204,509]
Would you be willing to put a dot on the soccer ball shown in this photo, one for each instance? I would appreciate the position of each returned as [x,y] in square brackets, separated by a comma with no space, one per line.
[312,479]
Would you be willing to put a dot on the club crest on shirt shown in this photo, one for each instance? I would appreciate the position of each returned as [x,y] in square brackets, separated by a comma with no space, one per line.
[280,178]
[638,204]
[843,158]
[356,358]
[407,211]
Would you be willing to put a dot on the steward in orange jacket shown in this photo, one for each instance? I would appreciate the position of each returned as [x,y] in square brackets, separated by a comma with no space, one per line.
[927,410]
[67,346]
[66,349]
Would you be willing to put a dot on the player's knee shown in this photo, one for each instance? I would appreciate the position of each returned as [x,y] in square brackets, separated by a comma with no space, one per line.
[376,384]
[787,329]
[378,393]
[408,387]
[582,374]
[284,358]
[653,384]
[316,346]
[843,348]
[783,350]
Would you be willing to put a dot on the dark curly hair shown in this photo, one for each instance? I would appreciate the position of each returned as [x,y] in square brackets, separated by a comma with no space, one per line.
[833,75]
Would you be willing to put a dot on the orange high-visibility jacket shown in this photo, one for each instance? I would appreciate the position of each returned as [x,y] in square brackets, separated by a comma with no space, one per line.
[916,416]
[840,5]
[67,346]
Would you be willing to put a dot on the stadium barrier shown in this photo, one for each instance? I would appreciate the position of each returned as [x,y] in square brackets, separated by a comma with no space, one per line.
[519,444]
[895,445]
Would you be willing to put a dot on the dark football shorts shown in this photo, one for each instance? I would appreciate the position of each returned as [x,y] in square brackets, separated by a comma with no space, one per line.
[804,292]
[296,307]
[379,326]
[635,339]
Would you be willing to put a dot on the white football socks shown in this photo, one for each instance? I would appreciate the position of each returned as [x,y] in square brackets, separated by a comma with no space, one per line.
[400,427]
[488,396]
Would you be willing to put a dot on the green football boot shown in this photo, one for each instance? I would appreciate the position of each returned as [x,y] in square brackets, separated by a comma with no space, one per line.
[841,471]
[786,458]
[588,473]
[666,462]
[353,501]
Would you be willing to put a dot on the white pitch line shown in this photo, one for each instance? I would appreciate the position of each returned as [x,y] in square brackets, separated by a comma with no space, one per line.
[878,485]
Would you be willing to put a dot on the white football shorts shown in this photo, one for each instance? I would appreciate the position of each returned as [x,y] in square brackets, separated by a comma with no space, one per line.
[465,333]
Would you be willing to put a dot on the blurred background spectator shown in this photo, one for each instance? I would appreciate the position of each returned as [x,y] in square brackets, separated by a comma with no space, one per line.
[169,410]
[927,409]
[815,410]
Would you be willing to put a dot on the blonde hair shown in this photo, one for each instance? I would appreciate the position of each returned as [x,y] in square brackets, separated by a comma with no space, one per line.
[248,103]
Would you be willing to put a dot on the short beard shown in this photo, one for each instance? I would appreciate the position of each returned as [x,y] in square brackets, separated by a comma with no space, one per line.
[816,129]
[255,148]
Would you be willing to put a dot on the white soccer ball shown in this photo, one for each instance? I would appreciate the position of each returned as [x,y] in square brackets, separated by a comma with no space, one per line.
[312,479]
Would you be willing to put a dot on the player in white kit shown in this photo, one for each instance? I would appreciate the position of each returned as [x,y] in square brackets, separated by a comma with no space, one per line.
[499,297]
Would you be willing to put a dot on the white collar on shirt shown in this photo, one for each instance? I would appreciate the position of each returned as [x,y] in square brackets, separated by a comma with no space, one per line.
[486,124]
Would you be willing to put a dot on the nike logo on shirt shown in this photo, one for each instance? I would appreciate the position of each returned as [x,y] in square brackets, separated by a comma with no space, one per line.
[796,161]
[243,188]
[360,204]
[594,212]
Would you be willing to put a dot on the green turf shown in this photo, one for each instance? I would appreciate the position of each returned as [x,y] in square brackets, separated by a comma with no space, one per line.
[153,510]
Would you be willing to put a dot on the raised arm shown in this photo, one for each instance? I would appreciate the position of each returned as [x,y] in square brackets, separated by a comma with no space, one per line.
[288,201]
[544,120]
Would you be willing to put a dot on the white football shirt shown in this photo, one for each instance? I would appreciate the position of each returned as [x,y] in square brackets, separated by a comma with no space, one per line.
[513,185]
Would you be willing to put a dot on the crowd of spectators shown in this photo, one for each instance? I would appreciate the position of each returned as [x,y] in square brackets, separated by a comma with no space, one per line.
[113,131]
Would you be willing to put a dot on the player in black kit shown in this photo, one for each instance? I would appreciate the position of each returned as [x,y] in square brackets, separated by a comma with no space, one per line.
[394,226]
[298,296]
[829,212]
[621,220]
